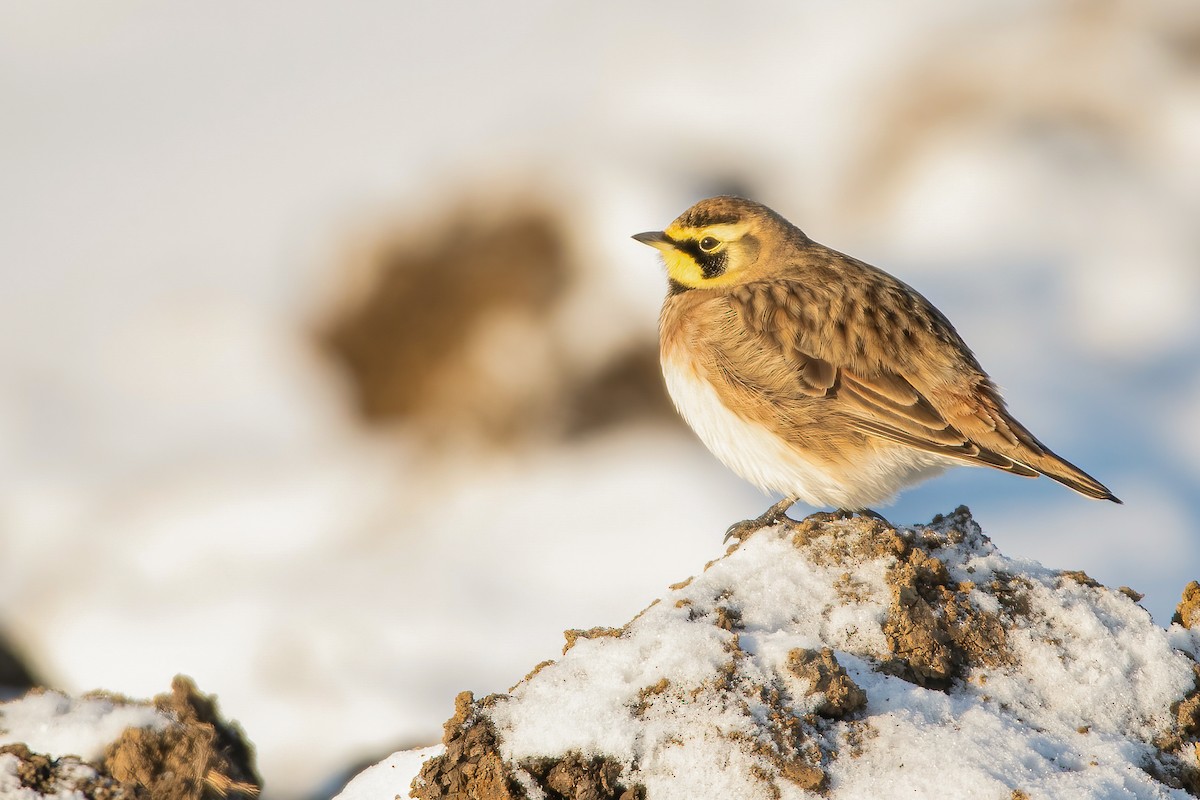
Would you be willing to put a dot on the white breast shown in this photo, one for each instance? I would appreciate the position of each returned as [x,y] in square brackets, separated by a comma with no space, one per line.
[776,465]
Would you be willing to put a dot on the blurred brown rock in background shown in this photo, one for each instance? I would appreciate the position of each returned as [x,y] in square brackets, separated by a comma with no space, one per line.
[452,332]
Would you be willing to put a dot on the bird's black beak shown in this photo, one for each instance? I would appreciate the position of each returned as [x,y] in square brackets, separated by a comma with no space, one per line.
[656,239]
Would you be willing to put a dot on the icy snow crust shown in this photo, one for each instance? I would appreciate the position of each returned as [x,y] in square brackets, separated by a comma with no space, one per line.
[694,697]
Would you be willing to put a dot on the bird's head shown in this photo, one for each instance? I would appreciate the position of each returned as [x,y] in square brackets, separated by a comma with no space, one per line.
[720,242]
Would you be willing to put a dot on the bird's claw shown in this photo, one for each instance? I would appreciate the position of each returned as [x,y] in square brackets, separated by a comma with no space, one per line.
[747,527]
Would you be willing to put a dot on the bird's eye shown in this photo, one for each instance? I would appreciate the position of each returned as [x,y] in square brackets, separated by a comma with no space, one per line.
[709,243]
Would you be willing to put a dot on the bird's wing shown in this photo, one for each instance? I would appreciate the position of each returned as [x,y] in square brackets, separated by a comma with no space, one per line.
[892,367]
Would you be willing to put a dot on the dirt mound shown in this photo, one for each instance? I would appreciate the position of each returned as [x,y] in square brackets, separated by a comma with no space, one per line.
[925,637]
[194,756]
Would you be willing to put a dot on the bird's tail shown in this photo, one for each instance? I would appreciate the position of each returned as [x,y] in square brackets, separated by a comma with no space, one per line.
[1071,476]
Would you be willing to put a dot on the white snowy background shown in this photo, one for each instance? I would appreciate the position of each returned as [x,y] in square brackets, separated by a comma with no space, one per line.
[184,486]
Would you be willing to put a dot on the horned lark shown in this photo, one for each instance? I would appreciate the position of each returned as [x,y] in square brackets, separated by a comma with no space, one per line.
[819,377]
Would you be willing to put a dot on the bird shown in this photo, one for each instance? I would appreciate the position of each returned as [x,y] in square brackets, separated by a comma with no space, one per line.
[816,376]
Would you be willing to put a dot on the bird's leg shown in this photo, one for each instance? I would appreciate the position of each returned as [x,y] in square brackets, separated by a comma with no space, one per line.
[772,516]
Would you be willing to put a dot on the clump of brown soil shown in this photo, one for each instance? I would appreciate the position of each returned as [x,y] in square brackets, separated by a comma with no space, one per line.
[202,757]
[792,745]
[1181,744]
[452,325]
[573,635]
[934,631]
[471,767]
[828,545]
[796,746]
[1187,613]
[841,695]
[56,777]
[197,757]
[574,777]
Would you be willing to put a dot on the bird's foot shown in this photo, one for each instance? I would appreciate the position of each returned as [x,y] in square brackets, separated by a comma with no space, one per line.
[772,516]
[842,513]
[875,515]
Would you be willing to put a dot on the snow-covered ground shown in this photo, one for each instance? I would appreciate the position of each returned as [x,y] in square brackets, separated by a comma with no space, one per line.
[183,487]
[845,658]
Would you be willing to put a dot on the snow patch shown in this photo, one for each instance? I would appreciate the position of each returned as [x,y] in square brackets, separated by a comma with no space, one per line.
[56,725]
